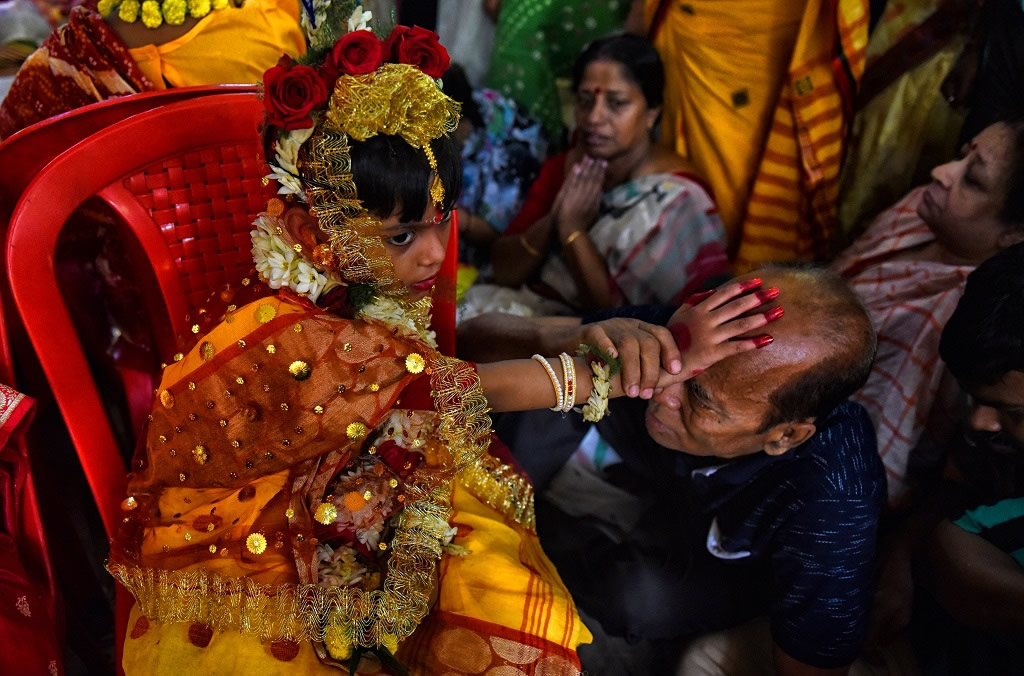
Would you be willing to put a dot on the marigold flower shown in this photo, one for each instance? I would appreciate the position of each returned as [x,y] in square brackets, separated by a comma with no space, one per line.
[129,11]
[197,9]
[151,16]
[174,12]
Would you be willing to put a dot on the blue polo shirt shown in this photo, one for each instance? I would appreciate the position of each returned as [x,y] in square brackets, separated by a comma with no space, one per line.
[803,523]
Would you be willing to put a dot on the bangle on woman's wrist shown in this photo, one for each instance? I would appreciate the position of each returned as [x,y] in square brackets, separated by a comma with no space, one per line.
[559,397]
[569,382]
[573,236]
[529,247]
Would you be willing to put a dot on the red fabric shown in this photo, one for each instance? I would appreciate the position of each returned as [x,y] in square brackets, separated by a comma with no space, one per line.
[28,640]
[101,64]
[542,195]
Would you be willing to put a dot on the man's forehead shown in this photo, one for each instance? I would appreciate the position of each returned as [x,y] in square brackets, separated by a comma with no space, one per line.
[789,354]
[728,383]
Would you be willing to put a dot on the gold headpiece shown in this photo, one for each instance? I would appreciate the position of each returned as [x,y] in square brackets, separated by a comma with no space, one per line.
[398,100]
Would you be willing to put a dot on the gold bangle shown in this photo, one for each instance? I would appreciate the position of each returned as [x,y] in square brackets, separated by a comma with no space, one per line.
[572,237]
[526,245]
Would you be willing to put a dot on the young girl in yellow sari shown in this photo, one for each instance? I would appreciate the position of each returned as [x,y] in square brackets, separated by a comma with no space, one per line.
[316,488]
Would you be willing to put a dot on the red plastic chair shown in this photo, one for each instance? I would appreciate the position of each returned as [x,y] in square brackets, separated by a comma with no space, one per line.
[22,156]
[186,179]
[25,153]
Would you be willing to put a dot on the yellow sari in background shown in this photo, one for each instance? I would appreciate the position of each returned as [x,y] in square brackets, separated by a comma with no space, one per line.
[904,126]
[758,98]
[230,46]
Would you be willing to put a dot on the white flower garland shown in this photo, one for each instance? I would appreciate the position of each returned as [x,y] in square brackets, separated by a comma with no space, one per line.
[396,315]
[360,20]
[597,404]
[286,162]
[281,266]
[278,263]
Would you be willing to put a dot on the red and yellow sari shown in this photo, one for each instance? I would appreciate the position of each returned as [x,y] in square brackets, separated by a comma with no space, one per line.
[288,428]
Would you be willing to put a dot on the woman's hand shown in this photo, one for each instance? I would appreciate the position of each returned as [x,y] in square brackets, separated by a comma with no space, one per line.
[579,199]
[707,325]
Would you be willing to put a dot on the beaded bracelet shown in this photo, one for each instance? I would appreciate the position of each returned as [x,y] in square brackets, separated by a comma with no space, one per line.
[554,382]
[569,377]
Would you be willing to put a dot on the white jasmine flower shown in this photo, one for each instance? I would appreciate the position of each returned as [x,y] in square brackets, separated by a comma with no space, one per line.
[279,264]
[359,19]
[308,280]
[286,162]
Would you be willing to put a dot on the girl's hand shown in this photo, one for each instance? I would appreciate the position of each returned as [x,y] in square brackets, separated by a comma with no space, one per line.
[707,325]
[645,350]
[579,199]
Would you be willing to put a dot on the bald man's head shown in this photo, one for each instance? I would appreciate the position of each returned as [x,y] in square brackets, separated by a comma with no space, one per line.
[769,399]
[826,334]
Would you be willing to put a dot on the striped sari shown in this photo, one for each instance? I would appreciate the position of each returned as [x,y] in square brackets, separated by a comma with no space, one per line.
[659,235]
[759,97]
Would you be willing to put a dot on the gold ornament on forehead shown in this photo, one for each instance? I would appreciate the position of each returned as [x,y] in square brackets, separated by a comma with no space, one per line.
[397,100]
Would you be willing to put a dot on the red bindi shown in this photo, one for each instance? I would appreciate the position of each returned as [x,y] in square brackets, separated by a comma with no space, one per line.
[597,91]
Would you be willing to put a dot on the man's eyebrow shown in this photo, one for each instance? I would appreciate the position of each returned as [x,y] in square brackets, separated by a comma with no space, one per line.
[1001,405]
[701,393]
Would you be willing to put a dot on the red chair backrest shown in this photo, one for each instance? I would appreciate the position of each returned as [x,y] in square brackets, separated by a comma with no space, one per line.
[148,168]
[24,154]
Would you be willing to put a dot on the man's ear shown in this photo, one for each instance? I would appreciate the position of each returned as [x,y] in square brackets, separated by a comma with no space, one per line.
[302,227]
[785,436]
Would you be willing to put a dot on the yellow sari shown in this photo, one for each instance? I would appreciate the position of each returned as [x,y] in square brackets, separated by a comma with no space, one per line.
[249,434]
[758,98]
[230,46]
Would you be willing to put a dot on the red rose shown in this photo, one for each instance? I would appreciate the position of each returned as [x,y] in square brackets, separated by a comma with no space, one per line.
[290,94]
[396,458]
[397,33]
[418,47]
[355,53]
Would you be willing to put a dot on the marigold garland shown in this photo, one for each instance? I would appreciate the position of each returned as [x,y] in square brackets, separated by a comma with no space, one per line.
[129,11]
[153,13]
